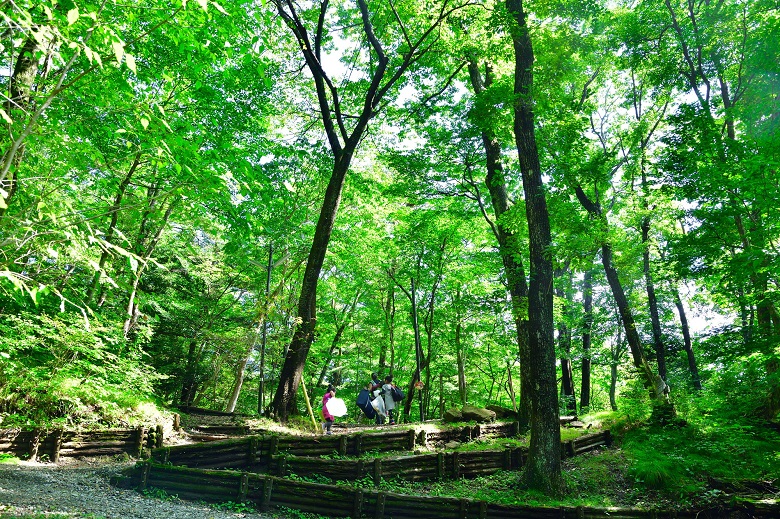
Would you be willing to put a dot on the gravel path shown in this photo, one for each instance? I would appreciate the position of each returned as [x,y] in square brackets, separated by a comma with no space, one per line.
[81,489]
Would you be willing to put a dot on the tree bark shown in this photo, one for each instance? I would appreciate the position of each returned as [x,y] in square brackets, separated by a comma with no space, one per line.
[543,467]
[508,245]
[564,344]
[587,324]
[19,101]
[653,383]
[658,344]
[686,332]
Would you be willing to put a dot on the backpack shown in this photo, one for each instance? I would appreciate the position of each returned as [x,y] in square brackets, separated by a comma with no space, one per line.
[397,394]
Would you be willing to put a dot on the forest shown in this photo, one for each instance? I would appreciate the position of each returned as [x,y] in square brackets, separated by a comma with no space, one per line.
[565,207]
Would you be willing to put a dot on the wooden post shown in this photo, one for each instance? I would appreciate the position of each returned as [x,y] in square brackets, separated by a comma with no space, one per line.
[456,465]
[440,465]
[243,487]
[176,422]
[361,469]
[139,441]
[377,471]
[607,437]
[568,451]
[268,486]
[515,430]
[476,432]
[145,475]
[273,449]
[343,446]
[412,437]
[251,455]
[379,512]
[282,466]
[35,442]
[506,460]
[308,406]
[422,438]
[159,436]
[464,509]
[55,450]
[482,510]
[357,507]
[358,444]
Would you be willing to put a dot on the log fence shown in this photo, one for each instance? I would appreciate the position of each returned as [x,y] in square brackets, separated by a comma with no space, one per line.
[52,444]
[265,491]
[255,451]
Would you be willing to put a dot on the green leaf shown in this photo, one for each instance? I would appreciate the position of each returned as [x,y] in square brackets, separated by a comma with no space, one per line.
[219,8]
[119,50]
[73,16]
[204,4]
[144,122]
[130,60]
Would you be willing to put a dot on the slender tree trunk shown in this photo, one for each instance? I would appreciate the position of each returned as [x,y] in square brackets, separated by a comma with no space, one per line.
[114,210]
[17,103]
[240,371]
[655,385]
[564,343]
[461,358]
[508,245]
[687,340]
[587,324]
[658,344]
[264,339]
[543,467]
[613,372]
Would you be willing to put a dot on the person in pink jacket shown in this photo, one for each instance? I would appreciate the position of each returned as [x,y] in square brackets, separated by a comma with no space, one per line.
[330,393]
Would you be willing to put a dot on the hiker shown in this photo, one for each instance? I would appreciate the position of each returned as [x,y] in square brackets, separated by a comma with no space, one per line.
[387,392]
[326,425]
[376,390]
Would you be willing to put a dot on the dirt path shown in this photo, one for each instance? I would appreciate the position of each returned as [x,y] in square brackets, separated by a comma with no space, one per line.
[81,489]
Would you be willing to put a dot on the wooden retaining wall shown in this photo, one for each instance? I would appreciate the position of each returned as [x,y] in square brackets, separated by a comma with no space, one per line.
[342,501]
[256,451]
[50,445]
[424,467]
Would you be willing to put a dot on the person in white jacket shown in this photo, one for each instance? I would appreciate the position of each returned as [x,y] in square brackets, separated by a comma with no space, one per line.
[387,392]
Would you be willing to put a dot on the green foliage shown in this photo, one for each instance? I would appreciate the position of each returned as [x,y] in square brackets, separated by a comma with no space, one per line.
[297,514]
[159,493]
[236,507]
[8,459]
[57,369]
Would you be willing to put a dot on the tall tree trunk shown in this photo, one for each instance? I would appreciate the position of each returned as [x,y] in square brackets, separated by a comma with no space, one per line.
[508,244]
[655,385]
[16,105]
[264,338]
[388,329]
[686,332]
[232,400]
[460,352]
[284,399]
[587,325]
[543,468]
[658,344]
[564,343]
[379,81]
